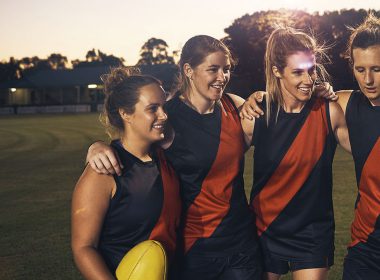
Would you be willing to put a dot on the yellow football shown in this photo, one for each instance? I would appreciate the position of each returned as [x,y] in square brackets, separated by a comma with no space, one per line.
[145,261]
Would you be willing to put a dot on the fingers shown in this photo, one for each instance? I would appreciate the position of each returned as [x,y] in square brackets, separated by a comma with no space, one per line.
[250,108]
[115,162]
[102,164]
[103,159]
[259,95]
[249,112]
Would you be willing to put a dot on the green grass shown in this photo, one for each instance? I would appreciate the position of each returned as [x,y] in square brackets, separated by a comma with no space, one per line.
[41,158]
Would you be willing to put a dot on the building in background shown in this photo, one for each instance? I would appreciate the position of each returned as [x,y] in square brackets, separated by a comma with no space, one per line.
[68,90]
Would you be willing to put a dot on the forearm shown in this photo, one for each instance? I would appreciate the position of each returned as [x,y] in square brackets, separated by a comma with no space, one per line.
[91,264]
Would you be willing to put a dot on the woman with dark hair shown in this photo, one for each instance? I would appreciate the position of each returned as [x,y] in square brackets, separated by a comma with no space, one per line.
[206,148]
[362,110]
[112,214]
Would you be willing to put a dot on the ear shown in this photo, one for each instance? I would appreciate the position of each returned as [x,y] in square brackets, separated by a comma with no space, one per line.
[276,72]
[188,70]
[124,115]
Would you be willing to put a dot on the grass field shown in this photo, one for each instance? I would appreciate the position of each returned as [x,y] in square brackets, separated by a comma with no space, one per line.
[42,157]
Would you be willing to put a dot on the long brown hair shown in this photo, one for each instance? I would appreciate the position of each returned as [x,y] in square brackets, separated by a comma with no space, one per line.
[283,42]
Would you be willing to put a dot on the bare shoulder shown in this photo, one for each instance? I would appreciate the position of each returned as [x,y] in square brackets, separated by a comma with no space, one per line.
[238,101]
[344,96]
[92,184]
[336,115]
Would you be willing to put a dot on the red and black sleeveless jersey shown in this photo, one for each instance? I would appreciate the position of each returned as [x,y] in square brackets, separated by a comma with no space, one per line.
[363,121]
[146,206]
[292,189]
[208,155]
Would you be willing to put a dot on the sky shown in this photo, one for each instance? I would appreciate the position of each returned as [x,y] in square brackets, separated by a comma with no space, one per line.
[121,27]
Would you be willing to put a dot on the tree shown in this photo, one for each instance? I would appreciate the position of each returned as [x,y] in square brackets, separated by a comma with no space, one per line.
[248,34]
[155,51]
[9,70]
[57,61]
[98,58]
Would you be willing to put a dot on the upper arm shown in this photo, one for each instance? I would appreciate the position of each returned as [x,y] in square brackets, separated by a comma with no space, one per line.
[339,125]
[90,203]
[238,101]
[247,125]
[344,96]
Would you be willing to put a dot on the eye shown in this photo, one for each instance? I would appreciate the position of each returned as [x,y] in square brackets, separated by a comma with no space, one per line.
[213,69]
[153,108]
[297,72]
[227,70]
[359,69]
[376,69]
[312,71]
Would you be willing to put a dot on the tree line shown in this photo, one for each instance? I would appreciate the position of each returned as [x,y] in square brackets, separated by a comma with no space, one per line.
[246,37]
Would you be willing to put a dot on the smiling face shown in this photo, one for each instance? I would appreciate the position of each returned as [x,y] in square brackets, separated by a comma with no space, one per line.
[149,118]
[209,79]
[367,72]
[297,78]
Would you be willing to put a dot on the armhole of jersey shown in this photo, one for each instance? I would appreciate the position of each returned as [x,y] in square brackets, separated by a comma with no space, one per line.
[331,132]
[232,103]
[348,106]
[117,194]
[258,122]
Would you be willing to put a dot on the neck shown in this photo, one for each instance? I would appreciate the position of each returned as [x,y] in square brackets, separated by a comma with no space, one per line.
[198,103]
[291,104]
[136,147]
[375,102]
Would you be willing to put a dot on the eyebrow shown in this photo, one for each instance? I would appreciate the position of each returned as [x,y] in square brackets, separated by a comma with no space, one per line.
[153,104]
[307,66]
[302,69]
[217,65]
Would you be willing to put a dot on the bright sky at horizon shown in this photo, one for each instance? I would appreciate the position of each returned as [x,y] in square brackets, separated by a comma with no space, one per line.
[121,27]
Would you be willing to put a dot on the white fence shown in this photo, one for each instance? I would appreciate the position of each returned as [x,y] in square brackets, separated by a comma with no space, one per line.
[47,109]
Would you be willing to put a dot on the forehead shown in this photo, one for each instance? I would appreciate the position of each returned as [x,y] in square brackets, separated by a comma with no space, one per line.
[152,93]
[301,60]
[216,58]
[370,56]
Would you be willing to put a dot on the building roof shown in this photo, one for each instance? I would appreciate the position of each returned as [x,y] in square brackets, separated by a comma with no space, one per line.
[84,76]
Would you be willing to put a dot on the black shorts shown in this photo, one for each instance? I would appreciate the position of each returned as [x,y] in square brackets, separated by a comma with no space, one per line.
[360,264]
[240,266]
[280,266]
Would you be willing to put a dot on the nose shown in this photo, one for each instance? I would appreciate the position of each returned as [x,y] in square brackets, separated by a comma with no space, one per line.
[222,76]
[368,77]
[308,79]
[161,114]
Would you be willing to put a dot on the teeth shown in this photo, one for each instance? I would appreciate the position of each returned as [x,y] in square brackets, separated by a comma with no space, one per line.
[217,86]
[158,126]
[304,89]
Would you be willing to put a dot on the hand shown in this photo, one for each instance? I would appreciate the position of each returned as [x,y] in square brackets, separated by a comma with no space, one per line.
[325,90]
[250,108]
[103,159]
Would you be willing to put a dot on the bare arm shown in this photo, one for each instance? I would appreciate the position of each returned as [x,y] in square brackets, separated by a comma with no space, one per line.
[89,205]
[339,126]
[248,125]
[344,96]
